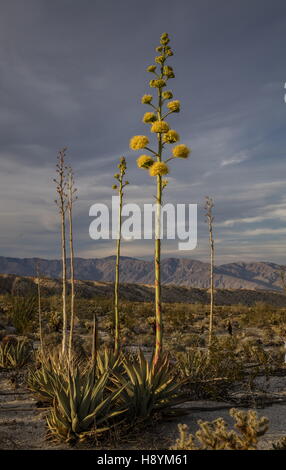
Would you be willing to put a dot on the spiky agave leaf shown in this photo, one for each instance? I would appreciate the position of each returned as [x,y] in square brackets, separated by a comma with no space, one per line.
[15,356]
[82,407]
[146,388]
[106,360]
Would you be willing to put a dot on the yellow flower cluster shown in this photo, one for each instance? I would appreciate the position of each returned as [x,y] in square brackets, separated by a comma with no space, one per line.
[160,59]
[145,161]
[151,68]
[160,127]
[171,137]
[157,83]
[168,72]
[181,151]
[167,95]
[164,39]
[149,117]
[174,106]
[138,142]
[146,99]
[159,169]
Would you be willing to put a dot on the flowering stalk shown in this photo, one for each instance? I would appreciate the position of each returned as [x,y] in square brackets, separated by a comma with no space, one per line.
[119,187]
[209,216]
[61,202]
[40,308]
[94,341]
[71,198]
[155,164]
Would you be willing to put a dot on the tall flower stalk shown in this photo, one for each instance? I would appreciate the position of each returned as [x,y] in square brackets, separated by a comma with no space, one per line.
[71,198]
[61,202]
[162,106]
[40,307]
[121,183]
[209,217]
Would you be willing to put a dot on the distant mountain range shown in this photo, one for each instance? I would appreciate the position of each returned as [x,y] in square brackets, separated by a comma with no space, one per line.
[177,271]
[25,285]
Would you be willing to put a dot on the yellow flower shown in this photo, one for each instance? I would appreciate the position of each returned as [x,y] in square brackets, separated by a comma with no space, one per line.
[164,39]
[157,83]
[146,99]
[181,151]
[145,161]
[167,95]
[171,137]
[160,127]
[114,186]
[138,142]
[149,117]
[159,169]
[159,49]
[160,59]
[174,106]
[168,71]
[164,183]
[169,52]
[151,68]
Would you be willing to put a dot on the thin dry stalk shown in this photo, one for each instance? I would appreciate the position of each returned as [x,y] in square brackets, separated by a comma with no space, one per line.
[40,307]
[209,217]
[121,185]
[71,198]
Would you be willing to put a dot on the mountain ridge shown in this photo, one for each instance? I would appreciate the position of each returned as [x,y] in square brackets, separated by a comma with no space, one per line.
[176,271]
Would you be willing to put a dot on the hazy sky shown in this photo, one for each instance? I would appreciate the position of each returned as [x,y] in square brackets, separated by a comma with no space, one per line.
[73,73]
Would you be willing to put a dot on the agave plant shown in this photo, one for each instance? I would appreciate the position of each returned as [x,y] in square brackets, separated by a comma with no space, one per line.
[147,389]
[108,360]
[52,375]
[82,408]
[15,356]
[45,381]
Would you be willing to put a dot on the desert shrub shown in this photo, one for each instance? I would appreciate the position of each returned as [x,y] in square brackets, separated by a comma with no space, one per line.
[214,435]
[15,355]
[264,360]
[55,321]
[209,376]
[22,313]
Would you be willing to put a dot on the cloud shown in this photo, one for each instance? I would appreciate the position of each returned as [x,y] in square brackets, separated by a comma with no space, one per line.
[73,74]
[235,160]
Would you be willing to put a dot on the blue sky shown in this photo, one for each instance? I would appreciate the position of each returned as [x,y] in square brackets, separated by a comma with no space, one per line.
[73,73]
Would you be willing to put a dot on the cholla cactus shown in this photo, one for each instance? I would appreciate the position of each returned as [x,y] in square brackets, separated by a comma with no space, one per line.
[215,435]
[121,183]
[155,164]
